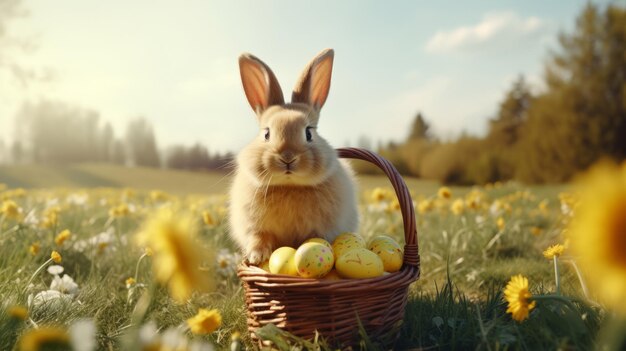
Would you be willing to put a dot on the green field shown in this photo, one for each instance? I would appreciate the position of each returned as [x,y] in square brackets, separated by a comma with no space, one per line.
[470,245]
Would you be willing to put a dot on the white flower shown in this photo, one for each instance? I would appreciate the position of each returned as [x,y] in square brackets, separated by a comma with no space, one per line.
[65,285]
[171,339]
[480,219]
[55,269]
[227,262]
[496,208]
[47,297]
[107,237]
[83,335]
[78,199]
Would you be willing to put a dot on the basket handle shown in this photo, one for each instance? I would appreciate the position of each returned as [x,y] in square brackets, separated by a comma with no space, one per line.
[411,252]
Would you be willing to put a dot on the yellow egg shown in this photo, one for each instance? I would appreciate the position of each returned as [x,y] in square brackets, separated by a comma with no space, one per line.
[265,265]
[282,261]
[319,240]
[332,275]
[314,260]
[359,263]
[346,242]
[389,251]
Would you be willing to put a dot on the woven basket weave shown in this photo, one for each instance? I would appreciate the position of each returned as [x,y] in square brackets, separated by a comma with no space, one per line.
[333,308]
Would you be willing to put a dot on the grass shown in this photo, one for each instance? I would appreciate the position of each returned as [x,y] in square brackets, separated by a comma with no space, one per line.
[466,260]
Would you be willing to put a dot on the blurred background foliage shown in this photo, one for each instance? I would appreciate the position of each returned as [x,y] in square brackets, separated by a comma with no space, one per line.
[578,118]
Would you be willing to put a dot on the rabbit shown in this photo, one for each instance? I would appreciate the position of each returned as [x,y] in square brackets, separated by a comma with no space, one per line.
[289,184]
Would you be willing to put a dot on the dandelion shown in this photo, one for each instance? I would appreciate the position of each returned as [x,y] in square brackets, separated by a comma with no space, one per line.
[34,248]
[45,338]
[500,223]
[553,251]
[60,239]
[208,218]
[177,258]
[536,231]
[457,207]
[130,282]
[121,210]
[148,252]
[598,232]
[517,295]
[10,209]
[424,206]
[56,257]
[50,217]
[205,322]
[444,192]
[158,195]
[18,312]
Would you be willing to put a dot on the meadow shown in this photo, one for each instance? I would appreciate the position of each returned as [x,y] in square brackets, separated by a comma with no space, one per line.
[472,241]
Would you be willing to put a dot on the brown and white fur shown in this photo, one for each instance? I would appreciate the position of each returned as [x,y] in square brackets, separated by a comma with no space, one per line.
[289,184]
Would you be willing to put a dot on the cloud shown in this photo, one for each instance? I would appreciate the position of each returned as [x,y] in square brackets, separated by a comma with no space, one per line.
[494,28]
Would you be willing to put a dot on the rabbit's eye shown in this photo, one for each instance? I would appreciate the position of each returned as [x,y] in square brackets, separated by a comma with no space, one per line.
[309,136]
[267,134]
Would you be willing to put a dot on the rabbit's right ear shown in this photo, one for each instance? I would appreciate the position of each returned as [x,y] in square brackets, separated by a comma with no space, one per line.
[259,83]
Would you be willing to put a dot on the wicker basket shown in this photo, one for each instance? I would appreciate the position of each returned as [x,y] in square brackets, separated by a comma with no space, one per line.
[303,306]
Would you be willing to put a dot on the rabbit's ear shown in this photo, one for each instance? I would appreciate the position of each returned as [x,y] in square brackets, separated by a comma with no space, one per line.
[259,83]
[314,83]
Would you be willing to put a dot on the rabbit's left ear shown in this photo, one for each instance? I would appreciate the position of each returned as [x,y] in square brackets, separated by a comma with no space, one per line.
[314,83]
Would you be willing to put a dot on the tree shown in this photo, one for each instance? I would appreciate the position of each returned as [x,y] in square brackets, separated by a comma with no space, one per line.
[141,143]
[419,128]
[582,115]
[504,129]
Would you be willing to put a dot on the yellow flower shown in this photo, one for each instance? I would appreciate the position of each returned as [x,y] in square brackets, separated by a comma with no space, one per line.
[536,231]
[148,251]
[379,194]
[60,239]
[543,206]
[205,322]
[516,294]
[158,195]
[207,218]
[56,257]
[424,206]
[121,210]
[500,223]
[598,232]
[44,338]
[177,257]
[102,246]
[10,209]
[18,312]
[50,217]
[457,207]
[34,248]
[554,250]
[444,192]
[130,282]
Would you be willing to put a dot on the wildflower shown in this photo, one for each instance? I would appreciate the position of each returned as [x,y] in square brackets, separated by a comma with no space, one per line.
[50,217]
[536,231]
[60,239]
[543,206]
[148,252]
[158,195]
[424,206]
[34,248]
[130,282]
[517,295]
[55,270]
[10,209]
[554,250]
[102,246]
[205,322]
[379,194]
[457,207]
[500,223]
[208,218]
[121,210]
[65,285]
[44,338]
[56,257]
[18,312]
[598,232]
[176,255]
[444,192]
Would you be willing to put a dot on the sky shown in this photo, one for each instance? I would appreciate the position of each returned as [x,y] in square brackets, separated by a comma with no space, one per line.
[175,63]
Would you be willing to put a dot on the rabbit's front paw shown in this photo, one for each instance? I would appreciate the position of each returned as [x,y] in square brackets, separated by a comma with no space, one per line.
[259,255]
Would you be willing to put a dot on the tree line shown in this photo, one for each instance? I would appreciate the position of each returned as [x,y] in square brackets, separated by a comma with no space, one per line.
[52,132]
[578,119]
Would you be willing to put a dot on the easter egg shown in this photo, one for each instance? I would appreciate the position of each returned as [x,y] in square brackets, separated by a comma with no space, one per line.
[314,260]
[265,265]
[332,275]
[346,242]
[282,261]
[320,241]
[359,263]
[389,251]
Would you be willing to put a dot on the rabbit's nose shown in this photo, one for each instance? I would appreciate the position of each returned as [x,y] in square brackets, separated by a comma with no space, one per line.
[287,156]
